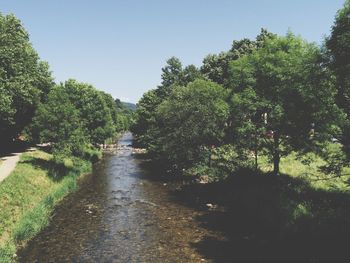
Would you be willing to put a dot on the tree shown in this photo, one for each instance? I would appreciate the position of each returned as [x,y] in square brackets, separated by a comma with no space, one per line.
[191,118]
[338,45]
[216,67]
[171,75]
[75,115]
[144,126]
[24,79]
[111,107]
[245,125]
[295,92]
[58,121]
[95,116]
[190,74]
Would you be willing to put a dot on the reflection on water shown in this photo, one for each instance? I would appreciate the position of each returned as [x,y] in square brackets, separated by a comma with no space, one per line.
[118,215]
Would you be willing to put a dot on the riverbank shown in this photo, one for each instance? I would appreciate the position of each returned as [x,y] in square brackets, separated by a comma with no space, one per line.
[29,194]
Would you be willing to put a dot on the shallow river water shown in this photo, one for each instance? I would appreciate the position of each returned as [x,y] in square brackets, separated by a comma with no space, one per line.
[119,214]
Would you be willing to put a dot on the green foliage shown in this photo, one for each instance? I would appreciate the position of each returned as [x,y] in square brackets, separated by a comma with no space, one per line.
[295,89]
[92,154]
[111,107]
[145,121]
[291,94]
[58,121]
[171,73]
[70,115]
[280,97]
[217,67]
[190,74]
[95,116]
[338,45]
[76,116]
[335,159]
[229,160]
[24,79]
[192,117]
[125,115]
[218,163]
[145,126]
[128,106]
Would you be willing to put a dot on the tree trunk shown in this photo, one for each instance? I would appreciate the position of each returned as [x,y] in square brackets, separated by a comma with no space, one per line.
[210,157]
[256,149]
[276,153]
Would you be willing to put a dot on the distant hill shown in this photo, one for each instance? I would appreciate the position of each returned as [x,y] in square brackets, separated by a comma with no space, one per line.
[129,105]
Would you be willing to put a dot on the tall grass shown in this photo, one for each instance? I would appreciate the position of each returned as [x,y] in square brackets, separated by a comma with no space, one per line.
[29,194]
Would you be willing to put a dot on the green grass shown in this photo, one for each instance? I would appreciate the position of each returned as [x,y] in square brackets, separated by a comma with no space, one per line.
[293,166]
[29,194]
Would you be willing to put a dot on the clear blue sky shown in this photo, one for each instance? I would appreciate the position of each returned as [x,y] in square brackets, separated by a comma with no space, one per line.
[120,46]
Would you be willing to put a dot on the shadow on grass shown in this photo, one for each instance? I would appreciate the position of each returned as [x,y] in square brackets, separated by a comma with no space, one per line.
[262,218]
[56,170]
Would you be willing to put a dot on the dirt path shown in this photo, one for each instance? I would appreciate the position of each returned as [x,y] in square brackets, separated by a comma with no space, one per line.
[9,163]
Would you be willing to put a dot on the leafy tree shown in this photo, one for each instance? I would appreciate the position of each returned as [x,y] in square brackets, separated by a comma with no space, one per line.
[190,74]
[144,126]
[95,116]
[338,45]
[24,79]
[58,121]
[171,75]
[244,128]
[246,108]
[216,67]
[293,93]
[111,106]
[192,117]
[118,104]
[74,116]
[125,115]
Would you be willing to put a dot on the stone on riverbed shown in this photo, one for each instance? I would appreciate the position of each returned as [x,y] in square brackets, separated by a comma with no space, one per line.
[138,151]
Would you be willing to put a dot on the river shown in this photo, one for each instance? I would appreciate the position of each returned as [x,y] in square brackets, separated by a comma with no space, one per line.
[119,214]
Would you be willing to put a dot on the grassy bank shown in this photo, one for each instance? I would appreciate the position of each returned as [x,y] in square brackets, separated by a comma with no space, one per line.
[311,173]
[29,194]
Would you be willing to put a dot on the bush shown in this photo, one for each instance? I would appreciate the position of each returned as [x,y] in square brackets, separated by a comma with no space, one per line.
[228,159]
[92,154]
[219,163]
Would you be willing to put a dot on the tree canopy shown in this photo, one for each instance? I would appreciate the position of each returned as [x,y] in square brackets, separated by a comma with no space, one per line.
[191,118]
[24,78]
[71,115]
[338,47]
[277,95]
[75,115]
[291,92]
